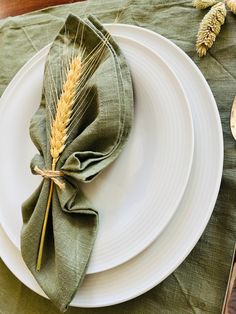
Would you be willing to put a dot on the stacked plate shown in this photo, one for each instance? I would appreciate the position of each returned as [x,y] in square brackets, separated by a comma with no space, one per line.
[156,199]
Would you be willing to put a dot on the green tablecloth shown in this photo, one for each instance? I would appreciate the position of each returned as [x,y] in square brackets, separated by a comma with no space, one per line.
[198,285]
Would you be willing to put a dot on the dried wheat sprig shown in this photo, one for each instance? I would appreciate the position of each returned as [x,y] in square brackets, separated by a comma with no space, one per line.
[203,4]
[210,28]
[76,72]
[59,128]
[231,5]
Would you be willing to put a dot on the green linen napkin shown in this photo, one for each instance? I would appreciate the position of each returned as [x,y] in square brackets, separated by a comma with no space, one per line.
[199,284]
[102,118]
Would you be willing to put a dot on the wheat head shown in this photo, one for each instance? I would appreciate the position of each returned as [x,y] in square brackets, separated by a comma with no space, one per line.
[64,109]
[203,4]
[232,5]
[210,28]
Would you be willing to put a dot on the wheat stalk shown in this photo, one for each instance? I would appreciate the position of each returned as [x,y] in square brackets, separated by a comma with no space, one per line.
[59,132]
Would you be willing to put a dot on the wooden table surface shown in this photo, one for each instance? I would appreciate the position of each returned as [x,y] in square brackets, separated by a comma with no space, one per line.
[16,7]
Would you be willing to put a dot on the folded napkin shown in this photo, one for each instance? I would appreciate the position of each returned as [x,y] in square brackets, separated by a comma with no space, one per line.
[98,130]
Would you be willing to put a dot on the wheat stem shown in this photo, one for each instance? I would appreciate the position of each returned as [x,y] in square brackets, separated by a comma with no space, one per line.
[44,228]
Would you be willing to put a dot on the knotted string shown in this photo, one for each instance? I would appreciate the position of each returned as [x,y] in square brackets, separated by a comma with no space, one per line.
[54,175]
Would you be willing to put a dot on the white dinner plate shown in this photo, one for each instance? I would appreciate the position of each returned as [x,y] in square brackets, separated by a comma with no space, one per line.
[135,197]
[179,237]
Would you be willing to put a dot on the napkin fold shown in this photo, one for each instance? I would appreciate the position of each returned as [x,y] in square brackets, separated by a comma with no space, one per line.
[101,129]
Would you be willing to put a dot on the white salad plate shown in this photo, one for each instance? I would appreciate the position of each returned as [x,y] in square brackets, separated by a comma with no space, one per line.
[178,238]
[138,194]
